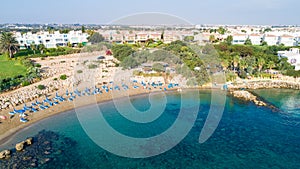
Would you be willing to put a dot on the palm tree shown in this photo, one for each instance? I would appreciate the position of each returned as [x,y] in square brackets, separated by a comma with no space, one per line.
[41,48]
[8,43]
[224,64]
[260,63]
[33,47]
[271,65]
[243,64]
[235,61]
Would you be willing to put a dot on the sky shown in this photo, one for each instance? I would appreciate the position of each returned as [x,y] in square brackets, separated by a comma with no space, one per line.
[246,12]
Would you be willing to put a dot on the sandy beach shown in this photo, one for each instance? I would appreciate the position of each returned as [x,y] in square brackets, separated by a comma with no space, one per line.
[12,125]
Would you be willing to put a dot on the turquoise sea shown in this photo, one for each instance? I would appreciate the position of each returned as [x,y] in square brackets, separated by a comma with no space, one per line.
[246,137]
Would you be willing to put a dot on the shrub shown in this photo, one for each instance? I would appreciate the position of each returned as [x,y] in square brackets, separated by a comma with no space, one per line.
[26,62]
[63,77]
[25,83]
[55,79]
[38,65]
[79,71]
[293,73]
[92,66]
[41,87]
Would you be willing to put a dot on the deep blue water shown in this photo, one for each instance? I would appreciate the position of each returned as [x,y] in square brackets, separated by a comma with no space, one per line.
[246,137]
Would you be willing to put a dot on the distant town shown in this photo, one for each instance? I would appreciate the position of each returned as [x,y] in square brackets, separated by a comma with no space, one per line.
[53,35]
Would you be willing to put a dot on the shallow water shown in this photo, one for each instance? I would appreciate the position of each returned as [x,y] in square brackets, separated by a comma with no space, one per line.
[246,137]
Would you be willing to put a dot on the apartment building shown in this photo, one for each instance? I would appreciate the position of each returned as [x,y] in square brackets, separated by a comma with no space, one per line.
[271,39]
[51,40]
[255,39]
[287,40]
[239,39]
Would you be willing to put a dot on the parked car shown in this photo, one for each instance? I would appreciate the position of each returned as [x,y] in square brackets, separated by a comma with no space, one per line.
[101,57]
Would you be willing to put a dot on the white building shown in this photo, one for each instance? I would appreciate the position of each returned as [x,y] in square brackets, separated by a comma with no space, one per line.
[293,56]
[255,39]
[239,39]
[271,39]
[287,40]
[51,40]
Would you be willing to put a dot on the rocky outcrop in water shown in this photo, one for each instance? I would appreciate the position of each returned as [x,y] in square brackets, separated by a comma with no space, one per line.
[5,154]
[48,150]
[247,96]
[20,146]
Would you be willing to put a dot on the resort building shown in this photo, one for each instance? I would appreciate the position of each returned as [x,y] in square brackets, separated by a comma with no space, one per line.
[130,38]
[287,40]
[293,56]
[142,37]
[155,36]
[255,38]
[51,40]
[117,38]
[271,39]
[170,37]
[239,39]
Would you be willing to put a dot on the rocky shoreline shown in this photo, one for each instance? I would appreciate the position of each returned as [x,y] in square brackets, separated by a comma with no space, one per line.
[266,84]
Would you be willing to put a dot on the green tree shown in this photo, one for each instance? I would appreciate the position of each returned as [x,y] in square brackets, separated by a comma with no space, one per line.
[33,47]
[243,64]
[189,38]
[264,43]
[229,40]
[82,29]
[120,52]
[224,64]
[41,47]
[248,42]
[212,38]
[129,63]
[64,31]
[271,65]
[221,30]
[96,38]
[235,62]
[8,43]
[267,30]
[80,45]
[149,42]
[69,44]
[260,63]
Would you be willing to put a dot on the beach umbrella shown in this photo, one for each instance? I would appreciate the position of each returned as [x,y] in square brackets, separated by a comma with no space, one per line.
[3,117]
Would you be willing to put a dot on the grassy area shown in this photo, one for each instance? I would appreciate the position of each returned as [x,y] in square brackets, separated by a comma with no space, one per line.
[10,68]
